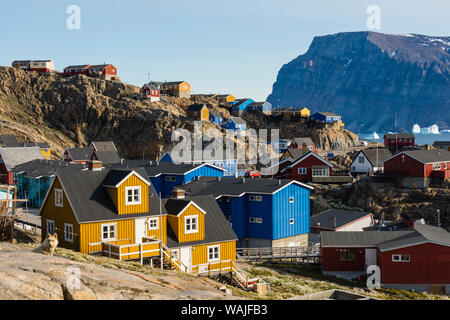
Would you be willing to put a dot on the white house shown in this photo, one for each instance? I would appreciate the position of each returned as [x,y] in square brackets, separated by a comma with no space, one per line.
[369,161]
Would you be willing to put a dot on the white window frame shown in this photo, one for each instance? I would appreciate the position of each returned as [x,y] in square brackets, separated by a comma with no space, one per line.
[302,170]
[251,219]
[291,199]
[258,198]
[214,253]
[150,227]
[400,258]
[291,221]
[258,220]
[52,224]
[251,198]
[59,198]
[133,202]
[68,236]
[175,253]
[109,231]
[321,172]
[196,223]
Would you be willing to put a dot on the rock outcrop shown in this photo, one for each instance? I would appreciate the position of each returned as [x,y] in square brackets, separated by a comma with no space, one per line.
[370,77]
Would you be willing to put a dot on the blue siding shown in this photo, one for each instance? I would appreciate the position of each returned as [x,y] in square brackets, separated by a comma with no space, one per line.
[33,189]
[259,209]
[283,211]
[204,171]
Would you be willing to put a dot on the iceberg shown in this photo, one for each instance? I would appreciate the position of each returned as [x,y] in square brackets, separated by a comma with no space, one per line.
[433,129]
[372,136]
[445,131]
[416,128]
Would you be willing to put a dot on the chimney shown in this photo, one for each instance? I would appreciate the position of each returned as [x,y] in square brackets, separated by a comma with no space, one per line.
[243,180]
[95,165]
[178,194]
[334,221]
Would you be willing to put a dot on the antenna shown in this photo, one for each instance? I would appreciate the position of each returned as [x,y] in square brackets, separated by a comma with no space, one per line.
[148,75]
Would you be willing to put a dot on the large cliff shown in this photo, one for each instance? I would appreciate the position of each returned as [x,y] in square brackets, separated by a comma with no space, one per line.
[369,78]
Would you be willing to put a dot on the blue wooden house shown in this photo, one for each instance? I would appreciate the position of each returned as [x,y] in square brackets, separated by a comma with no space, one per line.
[325,117]
[215,117]
[33,178]
[235,123]
[264,107]
[263,212]
[165,175]
[240,105]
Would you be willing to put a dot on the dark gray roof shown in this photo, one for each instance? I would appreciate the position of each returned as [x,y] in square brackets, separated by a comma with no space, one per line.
[307,140]
[174,206]
[295,153]
[237,120]
[329,114]
[14,156]
[104,146]
[195,107]
[388,226]
[343,217]
[155,168]
[429,156]
[115,176]
[9,140]
[215,113]
[80,154]
[387,240]
[42,145]
[108,157]
[373,154]
[90,201]
[80,66]
[217,228]
[399,135]
[45,168]
[233,186]
[441,143]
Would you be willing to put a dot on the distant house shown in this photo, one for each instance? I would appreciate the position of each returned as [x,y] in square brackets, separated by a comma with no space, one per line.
[180,89]
[264,107]
[102,71]
[9,141]
[281,145]
[199,112]
[103,146]
[235,123]
[299,143]
[150,91]
[263,212]
[239,106]
[305,113]
[225,98]
[76,69]
[398,140]
[341,220]
[40,66]
[12,157]
[416,167]
[33,178]
[307,167]
[414,258]
[369,161]
[292,154]
[442,145]
[215,117]
[78,155]
[325,117]
[106,157]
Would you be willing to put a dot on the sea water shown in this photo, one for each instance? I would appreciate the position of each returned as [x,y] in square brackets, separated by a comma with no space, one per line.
[421,139]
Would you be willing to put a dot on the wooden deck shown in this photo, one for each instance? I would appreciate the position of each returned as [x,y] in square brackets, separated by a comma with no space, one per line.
[310,254]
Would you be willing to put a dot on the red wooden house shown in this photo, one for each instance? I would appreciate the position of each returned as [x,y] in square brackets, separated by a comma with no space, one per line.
[150,91]
[415,258]
[74,70]
[306,167]
[419,163]
[398,140]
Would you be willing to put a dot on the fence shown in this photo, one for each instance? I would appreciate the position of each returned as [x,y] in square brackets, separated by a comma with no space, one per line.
[309,254]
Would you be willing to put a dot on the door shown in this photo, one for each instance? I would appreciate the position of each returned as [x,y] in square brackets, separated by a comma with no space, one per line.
[139,229]
[371,257]
[185,256]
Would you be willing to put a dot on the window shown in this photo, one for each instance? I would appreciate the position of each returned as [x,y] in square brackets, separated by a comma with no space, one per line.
[291,199]
[191,224]
[258,220]
[361,159]
[176,253]
[68,232]
[58,198]
[214,253]
[302,170]
[436,166]
[153,224]
[252,219]
[320,172]
[132,195]
[50,226]
[258,198]
[291,221]
[109,232]
[400,258]
[170,178]
[346,255]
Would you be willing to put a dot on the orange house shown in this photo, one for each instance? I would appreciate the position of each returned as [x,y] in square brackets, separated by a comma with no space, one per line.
[180,89]
[198,112]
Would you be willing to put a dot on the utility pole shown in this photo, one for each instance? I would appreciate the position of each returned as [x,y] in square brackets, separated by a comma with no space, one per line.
[438,217]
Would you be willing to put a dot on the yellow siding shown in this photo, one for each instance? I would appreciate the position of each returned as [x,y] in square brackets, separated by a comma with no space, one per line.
[204,116]
[60,215]
[132,181]
[157,233]
[227,252]
[305,112]
[91,234]
[177,224]
[113,194]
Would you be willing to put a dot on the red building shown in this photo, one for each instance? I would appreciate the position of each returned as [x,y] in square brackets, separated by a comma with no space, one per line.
[150,91]
[102,71]
[398,140]
[419,163]
[74,70]
[415,258]
[306,167]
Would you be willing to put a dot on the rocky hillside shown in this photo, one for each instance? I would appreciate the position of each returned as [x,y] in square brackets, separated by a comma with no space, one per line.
[69,112]
[369,77]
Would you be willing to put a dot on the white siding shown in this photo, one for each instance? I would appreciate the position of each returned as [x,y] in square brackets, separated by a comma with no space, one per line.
[361,167]
[358,225]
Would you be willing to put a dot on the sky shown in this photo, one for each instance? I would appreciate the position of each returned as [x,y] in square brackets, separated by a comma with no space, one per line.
[218,46]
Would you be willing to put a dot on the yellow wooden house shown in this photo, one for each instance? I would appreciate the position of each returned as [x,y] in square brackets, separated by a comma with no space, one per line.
[305,113]
[225,98]
[117,213]
[199,112]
